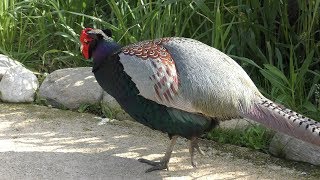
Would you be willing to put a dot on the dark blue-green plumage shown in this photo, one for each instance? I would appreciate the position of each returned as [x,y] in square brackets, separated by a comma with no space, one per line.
[111,76]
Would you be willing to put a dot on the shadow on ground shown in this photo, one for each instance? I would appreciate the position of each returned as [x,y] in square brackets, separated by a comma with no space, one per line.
[45,143]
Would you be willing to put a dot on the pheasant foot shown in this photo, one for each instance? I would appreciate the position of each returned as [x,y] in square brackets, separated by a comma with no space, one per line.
[156,165]
[163,164]
[194,145]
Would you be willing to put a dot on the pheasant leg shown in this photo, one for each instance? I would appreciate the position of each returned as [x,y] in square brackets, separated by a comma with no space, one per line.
[163,164]
[194,145]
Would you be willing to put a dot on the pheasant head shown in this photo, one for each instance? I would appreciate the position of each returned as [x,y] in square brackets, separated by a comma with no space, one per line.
[89,39]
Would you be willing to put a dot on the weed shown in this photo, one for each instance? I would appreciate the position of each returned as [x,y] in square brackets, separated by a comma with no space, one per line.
[90,108]
[276,42]
[254,136]
[98,109]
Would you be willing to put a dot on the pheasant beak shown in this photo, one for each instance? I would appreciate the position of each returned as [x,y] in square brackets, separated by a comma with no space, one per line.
[81,48]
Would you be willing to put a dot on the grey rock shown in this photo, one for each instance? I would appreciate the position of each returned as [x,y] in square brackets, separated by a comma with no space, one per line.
[294,149]
[18,84]
[111,106]
[71,88]
[236,124]
[6,63]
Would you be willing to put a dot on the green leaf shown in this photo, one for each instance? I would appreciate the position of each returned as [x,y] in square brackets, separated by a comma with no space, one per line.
[276,78]
[304,68]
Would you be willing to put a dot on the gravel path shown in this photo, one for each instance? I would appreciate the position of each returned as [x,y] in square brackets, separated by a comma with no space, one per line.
[37,142]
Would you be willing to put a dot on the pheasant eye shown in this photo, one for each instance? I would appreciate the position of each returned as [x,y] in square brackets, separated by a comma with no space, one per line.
[87,40]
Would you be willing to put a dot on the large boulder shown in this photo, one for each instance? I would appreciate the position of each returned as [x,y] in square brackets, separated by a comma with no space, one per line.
[71,88]
[17,84]
[6,63]
[294,149]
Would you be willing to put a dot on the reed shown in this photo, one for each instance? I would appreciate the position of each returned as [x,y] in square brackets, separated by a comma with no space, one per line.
[277,42]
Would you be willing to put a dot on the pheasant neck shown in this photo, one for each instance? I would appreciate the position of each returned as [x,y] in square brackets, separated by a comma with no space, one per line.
[104,50]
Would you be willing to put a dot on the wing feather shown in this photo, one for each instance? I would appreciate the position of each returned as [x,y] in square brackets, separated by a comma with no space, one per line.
[154,72]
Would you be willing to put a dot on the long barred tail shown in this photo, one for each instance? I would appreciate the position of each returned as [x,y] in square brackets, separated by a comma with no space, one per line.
[284,120]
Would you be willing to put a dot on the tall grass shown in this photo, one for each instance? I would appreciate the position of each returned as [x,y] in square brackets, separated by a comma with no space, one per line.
[38,33]
[277,42]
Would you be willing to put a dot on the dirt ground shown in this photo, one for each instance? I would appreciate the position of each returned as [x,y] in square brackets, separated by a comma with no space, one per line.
[38,142]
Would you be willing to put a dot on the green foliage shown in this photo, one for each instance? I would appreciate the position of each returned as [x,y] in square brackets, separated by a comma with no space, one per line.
[277,42]
[99,109]
[38,33]
[292,90]
[91,108]
[254,136]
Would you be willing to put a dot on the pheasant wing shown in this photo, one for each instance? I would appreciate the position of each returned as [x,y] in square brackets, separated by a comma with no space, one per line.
[154,72]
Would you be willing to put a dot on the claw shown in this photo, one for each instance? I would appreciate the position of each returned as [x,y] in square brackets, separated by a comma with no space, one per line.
[200,150]
[194,145]
[146,161]
[163,164]
[194,164]
[156,165]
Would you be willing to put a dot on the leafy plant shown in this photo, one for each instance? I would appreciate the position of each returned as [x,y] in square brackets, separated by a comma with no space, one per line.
[276,42]
[91,108]
[99,109]
[254,136]
[292,90]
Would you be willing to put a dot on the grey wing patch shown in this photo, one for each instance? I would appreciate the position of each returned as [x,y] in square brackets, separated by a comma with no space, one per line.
[153,70]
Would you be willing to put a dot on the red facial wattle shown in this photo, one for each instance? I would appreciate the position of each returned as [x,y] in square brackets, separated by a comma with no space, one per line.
[85,40]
